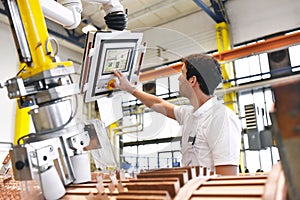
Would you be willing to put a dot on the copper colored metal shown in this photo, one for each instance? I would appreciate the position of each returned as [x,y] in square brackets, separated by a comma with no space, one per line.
[9,188]
[286,122]
[260,47]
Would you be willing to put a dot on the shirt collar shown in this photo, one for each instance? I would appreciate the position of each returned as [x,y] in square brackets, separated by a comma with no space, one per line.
[206,106]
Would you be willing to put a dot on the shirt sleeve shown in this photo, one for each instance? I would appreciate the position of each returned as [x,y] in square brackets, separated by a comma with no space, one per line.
[224,139]
[182,112]
[179,112]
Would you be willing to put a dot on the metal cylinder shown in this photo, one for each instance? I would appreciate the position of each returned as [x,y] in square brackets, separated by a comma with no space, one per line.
[81,167]
[51,184]
[51,116]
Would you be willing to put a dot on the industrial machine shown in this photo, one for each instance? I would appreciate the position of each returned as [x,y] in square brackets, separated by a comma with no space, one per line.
[56,153]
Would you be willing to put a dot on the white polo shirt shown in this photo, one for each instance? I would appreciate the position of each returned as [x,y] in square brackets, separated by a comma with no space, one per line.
[211,135]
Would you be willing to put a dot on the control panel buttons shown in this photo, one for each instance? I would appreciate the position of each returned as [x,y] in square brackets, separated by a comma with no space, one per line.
[111,84]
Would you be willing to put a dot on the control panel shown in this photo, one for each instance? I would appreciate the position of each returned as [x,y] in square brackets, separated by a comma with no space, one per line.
[104,53]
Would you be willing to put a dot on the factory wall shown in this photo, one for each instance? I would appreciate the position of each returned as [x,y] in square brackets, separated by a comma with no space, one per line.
[254,19]
[9,67]
[249,20]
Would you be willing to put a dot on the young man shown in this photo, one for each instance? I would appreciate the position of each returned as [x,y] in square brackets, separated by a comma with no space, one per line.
[211,132]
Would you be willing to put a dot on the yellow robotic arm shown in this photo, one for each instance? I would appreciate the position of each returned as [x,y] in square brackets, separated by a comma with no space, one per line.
[43,57]
[36,59]
[44,86]
[27,16]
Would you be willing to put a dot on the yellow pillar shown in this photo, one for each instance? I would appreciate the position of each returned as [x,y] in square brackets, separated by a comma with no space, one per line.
[22,123]
[230,100]
[112,132]
[224,44]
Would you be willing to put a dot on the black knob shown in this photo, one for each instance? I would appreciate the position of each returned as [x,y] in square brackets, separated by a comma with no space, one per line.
[19,165]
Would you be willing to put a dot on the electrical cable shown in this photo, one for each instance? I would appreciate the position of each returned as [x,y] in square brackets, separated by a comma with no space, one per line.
[19,72]
[72,116]
[25,136]
[55,52]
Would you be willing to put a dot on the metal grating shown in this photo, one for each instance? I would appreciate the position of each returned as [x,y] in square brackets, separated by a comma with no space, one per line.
[250,116]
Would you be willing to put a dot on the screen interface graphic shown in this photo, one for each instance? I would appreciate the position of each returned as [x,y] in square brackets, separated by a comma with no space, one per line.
[116,59]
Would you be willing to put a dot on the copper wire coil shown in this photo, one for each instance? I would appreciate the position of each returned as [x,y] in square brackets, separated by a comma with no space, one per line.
[9,188]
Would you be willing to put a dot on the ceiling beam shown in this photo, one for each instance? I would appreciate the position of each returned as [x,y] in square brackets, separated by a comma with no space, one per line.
[161,72]
[268,45]
[217,17]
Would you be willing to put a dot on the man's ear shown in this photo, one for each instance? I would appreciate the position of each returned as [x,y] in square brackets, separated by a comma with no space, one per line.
[193,80]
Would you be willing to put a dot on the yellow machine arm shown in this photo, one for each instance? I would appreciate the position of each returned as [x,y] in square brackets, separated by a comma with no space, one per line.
[35,52]
[45,91]
[45,87]
[39,44]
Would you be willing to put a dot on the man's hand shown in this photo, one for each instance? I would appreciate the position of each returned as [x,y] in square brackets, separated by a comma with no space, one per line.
[123,84]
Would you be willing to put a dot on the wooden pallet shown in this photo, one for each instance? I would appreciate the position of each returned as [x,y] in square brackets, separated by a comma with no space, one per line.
[184,184]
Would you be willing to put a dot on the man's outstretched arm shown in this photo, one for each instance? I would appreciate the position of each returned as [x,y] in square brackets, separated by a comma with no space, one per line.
[155,103]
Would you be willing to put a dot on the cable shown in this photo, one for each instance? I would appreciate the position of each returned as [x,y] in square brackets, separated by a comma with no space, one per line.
[72,116]
[24,136]
[19,72]
[55,52]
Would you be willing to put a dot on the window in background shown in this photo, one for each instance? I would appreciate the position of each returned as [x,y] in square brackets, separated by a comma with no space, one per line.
[295,58]
[249,69]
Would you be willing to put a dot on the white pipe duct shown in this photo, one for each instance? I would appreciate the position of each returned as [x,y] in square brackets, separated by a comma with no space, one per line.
[272,82]
[109,6]
[66,12]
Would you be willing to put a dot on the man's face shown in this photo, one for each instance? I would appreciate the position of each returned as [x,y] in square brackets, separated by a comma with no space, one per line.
[185,90]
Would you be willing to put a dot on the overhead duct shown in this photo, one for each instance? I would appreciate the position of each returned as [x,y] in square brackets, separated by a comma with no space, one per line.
[150,87]
[280,63]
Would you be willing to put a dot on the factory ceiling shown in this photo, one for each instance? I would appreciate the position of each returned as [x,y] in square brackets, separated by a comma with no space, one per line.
[153,15]
[145,15]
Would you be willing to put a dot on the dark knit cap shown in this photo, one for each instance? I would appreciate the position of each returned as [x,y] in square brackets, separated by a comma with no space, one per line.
[206,69]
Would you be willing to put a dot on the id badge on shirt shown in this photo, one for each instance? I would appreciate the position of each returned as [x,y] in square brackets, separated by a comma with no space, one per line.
[192,139]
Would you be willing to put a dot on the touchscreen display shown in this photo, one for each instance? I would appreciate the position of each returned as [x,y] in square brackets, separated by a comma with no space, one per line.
[116,59]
